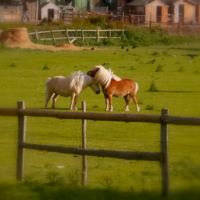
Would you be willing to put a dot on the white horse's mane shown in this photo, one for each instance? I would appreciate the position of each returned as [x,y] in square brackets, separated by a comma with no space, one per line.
[104,76]
[80,79]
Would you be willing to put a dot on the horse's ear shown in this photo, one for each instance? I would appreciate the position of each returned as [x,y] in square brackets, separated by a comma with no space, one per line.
[89,73]
[92,73]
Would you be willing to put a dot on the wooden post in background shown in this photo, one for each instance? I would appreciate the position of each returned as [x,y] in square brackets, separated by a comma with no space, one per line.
[123,18]
[67,35]
[164,151]
[131,19]
[52,35]
[150,22]
[111,16]
[82,34]
[97,33]
[21,139]
[36,34]
[84,158]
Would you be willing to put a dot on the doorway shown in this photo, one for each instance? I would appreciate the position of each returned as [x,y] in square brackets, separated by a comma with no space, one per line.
[159,13]
[50,13]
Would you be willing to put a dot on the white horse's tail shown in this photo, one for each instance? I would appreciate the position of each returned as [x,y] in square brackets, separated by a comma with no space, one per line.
[136,87]
[47,88]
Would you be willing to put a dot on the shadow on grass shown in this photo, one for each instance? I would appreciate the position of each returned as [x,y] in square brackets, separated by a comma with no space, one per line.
[38,191]
[175,91]
[184,49]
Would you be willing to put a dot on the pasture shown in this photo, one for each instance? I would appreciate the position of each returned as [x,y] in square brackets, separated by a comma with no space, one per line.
[168,77]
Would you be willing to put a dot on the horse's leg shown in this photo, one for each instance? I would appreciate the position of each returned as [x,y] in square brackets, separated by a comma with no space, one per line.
[106,100]
[110,101]
[72,101]
[48,96]
[75,101]
[55,96]
[127,100]
[135,100]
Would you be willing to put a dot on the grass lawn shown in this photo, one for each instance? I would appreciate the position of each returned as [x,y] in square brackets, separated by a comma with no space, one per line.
[176,76]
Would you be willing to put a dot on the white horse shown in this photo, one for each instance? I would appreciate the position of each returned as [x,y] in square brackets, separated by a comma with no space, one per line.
[69,86]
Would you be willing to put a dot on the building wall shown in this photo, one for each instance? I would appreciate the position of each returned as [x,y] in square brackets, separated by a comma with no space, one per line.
[189,13]
[14,13]
[198,13]
[44,11]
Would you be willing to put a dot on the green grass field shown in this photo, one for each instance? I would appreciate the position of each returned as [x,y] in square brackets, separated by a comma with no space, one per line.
[176,77]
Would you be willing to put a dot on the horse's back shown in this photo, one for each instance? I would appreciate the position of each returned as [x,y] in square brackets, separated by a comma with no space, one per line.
[122,87]
[60,85]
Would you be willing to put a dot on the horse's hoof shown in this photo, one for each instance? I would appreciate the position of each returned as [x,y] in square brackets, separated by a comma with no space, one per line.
[126,110]
[75,109]
[138,109]
[106,109]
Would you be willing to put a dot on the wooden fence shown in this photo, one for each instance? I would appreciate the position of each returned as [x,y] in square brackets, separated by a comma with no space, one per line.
[68,37]
[164,119]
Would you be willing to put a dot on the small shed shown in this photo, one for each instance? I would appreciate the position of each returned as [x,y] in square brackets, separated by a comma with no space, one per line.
[152,10]
[184,11]
[50,10]
[156,11]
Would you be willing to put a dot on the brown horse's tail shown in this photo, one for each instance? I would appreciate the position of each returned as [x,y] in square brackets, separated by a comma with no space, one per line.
[136,87]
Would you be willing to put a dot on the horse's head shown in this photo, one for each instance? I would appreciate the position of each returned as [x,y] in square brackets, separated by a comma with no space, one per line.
[95,87]
[92,72]
[93,84]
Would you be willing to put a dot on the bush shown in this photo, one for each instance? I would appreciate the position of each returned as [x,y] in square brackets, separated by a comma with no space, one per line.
[159,68]
[153,87]
[45,67]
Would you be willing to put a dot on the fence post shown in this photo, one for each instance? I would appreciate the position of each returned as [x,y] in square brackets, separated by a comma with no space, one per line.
[150,22]
[97,33]
[82,34]
[131,19]
[164,151]
[123,18]
[52,35]
[67,35]
[21,139]
[122,32]
[36,34]
[194,31]
[111,15]
[110,33]
[84,158]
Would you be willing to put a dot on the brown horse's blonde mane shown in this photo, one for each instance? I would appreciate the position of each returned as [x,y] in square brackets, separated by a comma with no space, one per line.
[104,76]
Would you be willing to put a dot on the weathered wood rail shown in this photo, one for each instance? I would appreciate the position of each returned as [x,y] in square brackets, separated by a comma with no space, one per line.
[169,119]
[164,119]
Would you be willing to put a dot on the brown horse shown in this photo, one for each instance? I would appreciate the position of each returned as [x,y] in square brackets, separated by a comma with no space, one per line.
[114,86]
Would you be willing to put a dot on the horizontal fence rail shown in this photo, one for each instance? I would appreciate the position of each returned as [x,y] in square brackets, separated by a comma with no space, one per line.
[128,155]
[169,119]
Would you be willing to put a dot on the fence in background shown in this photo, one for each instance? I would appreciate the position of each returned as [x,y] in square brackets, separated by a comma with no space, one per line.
[67,36]
[164,119]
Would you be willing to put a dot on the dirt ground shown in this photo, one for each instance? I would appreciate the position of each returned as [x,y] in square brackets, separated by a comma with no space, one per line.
[18,37]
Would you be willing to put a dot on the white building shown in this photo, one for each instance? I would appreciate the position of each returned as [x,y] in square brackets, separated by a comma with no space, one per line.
[50,10]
